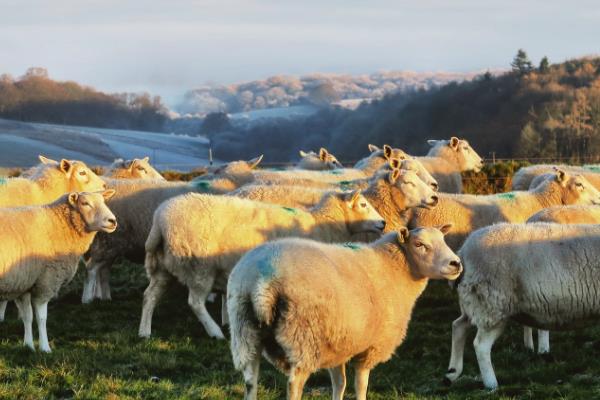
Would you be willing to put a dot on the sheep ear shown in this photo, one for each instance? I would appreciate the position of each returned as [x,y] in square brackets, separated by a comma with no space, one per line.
[387,151]
[303,154]
[373,148]
[454,141]
[445,228]
[45,160]
[132,163]
[394,163]
[432,142]
[73,198]
[146,159]
[255,161]
[66,166]
[561,176]
[323,153]
[353,197]
[394,175]
[403,234]
[108,194]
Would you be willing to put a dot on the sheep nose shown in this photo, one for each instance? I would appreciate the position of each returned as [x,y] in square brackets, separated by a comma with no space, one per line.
[383,223]
[104,186]
[112,221]
[455,263]
[434,200]
[434,186]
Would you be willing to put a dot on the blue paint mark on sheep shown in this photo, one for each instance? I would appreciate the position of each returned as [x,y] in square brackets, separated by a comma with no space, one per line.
[290,210]
[265,268]
[201,184]
[3,181]
[352,246]
[592,168]
[335,172]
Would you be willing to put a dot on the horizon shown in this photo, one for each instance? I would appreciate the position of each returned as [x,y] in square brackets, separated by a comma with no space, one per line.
[163,48]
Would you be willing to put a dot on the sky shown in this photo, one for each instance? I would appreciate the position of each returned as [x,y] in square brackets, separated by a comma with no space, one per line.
[167,47]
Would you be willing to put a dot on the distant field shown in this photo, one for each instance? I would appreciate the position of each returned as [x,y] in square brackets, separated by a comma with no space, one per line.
[20,143]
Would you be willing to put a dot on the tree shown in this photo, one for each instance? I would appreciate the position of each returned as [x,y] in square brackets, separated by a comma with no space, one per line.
[544,65]
[521,64]
[324,94]
[215,123]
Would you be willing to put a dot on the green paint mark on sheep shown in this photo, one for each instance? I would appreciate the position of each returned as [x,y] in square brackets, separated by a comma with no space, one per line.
[290,210]
[345,185]
[352,246]
[265,268]
[592,168]
[507,196]
[335,172]
[3,180]
[201,184]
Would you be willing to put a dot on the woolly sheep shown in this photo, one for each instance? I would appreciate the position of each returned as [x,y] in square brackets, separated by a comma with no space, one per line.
[134,206]
[306,305]
[379,157]
[50,180]
[470,212]
[40,247]
[529,177]
[318,162]
[560,215]
[540,274]
[199,238]
[137,168]
[447,159]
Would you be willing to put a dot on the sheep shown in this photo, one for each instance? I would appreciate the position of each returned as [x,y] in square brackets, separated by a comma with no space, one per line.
[49,181]
[379,157]
[134,206]
[318,162]
[132,169]
[561,215]
[529,177]
[447,159]
[541,274]
[198,238]
[470,212]
[40,248]
[307,305]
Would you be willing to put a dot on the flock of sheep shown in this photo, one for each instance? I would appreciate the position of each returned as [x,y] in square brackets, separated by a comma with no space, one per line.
[319,264]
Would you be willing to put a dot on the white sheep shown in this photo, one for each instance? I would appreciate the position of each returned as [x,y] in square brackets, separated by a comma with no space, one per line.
[137,168]
[447,159]
[529,177]
[199,238]
[540,274]
[134,205]
[40,247]
[318,162]
[307,305]
[379,157]
[49,180]
[470,212]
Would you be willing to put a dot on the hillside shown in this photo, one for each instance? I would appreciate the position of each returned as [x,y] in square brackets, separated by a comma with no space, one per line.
[552,111]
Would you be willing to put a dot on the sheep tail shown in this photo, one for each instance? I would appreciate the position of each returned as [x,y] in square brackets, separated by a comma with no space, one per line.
[152,246]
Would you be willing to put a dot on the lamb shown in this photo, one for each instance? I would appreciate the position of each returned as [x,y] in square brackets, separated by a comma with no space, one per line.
[318,162]
[40,248]
[307,305]
[49,181]
[528,177]
[447,159]
[469,212]
[199,238]
[541,274]
[132,169]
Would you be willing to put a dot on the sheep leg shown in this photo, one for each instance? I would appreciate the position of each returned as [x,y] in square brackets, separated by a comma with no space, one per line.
[460,326]
[296,382]
[250,372]
[26,313]
[338,381]
[3,305]
[158,284]
[196,300]
[528,338]
[484,340]
[91,281]
[543,341]
[361,382]
[41,314]
[224,314]
[104,275]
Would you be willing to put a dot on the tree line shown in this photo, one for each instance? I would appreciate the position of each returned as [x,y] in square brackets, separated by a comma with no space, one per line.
[37,98]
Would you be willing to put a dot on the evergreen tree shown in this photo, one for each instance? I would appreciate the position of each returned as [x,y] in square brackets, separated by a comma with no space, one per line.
[521,64]
[544,65]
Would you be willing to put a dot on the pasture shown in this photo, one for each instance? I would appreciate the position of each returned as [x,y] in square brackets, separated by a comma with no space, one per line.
[98,355]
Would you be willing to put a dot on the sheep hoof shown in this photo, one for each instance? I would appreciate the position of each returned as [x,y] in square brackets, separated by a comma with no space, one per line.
[447,381]
[45,350]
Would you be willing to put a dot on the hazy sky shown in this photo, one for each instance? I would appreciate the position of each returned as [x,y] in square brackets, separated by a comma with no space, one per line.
[168,46]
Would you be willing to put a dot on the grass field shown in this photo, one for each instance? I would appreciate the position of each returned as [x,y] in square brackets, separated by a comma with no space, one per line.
[97,355]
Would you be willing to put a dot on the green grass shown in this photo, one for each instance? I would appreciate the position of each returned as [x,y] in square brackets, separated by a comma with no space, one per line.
[97,355]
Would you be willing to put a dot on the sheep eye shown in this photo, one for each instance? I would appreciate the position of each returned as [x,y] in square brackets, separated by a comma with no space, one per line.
[579,185]
[82,173]
[363,205]
[85,203]
[418,244]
